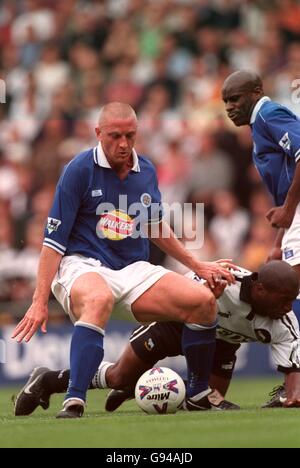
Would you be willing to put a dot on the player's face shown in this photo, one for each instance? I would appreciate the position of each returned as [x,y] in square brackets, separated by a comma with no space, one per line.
[239,105]
[273,304]
[117,137]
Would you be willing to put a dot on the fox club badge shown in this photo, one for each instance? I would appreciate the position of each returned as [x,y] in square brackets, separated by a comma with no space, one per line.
[146,200]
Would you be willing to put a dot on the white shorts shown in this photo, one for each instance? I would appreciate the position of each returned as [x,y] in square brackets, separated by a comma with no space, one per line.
[127,285]
[290,245]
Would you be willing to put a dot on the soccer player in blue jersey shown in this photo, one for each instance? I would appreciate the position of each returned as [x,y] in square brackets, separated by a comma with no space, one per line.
[95,260]
[276,154]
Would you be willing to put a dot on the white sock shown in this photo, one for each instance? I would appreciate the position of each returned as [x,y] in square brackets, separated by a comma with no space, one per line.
[99,381]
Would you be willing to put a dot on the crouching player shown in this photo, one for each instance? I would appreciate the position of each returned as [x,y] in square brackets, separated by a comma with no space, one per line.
[257,308]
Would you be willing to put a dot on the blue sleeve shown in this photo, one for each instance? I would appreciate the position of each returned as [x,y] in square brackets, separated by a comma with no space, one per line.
[155,212]
[284,129]
[64,210]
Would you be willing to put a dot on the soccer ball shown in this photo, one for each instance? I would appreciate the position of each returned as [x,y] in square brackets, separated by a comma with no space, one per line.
[160,390]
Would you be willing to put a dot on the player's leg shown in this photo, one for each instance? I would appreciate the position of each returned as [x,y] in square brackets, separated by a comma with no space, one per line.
[290,247]
[296,304]
[91,303]
[147,345]
[178,298]
[223,365]
[153,343]
[122,377]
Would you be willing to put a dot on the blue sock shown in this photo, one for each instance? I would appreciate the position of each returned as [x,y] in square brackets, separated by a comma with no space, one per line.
[296,309]
[86,355]
[198,346]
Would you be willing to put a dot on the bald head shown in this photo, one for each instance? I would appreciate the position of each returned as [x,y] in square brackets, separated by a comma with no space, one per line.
[243,80]
[274,290]
[115,111]
[241,91]
[116,131]
[277,276]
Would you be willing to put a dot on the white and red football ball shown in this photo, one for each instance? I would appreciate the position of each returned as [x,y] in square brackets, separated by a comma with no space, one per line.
[159,391]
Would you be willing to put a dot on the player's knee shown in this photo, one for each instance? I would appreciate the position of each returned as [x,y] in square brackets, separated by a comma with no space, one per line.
[205,310]
[97,304]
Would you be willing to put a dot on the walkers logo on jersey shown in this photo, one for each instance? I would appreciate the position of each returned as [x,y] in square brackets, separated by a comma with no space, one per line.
[53,225]
[115,226]
[285,142]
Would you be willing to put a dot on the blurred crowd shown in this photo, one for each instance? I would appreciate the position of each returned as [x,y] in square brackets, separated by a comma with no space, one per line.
[62,60]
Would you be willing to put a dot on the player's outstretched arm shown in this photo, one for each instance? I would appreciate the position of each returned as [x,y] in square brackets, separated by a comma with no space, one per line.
[37,314]
[212,272]
[292,385]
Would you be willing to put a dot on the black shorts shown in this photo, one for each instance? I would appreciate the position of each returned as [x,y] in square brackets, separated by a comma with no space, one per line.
[154,342]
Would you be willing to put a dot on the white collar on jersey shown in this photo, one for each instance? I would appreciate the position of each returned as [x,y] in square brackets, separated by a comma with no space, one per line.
[101,160]
[257,108]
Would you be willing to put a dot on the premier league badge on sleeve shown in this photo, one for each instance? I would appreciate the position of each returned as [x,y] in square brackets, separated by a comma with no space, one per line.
[53,225]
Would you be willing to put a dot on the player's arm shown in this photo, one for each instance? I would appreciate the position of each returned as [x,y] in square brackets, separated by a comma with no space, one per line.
[284,130]
[164,238]
[286,355]
[60,223]
[282,216]
[276,253]
[37,314]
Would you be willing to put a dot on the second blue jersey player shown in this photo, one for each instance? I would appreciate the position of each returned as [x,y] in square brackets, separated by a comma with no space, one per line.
[276,154]
[95,259]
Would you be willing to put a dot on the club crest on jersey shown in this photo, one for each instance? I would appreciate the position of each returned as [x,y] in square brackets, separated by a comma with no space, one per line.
[146,200]
[115,226]
[285,142]
[53,225]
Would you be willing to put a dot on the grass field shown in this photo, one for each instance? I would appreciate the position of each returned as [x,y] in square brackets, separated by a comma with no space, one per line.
[129,427]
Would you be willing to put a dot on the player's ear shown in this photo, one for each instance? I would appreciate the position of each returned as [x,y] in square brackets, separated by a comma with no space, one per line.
[98,132]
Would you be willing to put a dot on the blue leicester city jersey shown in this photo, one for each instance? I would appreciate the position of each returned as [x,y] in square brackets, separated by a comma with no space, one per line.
[97,215]
[276,137]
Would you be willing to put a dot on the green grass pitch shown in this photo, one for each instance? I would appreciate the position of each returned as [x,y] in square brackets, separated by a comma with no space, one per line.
[129,427]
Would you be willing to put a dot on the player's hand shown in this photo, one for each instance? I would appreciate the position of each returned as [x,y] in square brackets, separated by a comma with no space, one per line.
[219,288]
[35,318]
[227,263]
[214,272]
[280,217]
